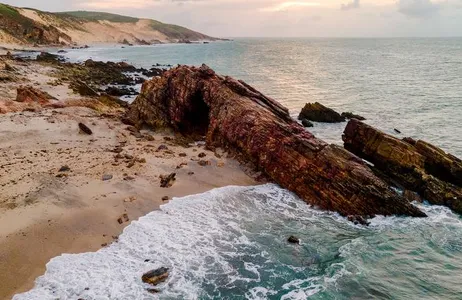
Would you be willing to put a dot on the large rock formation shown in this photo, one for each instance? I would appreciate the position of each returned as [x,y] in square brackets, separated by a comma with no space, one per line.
[233,115]
[417,165]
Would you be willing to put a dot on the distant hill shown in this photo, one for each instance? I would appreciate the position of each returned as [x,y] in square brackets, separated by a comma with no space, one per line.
[27,27]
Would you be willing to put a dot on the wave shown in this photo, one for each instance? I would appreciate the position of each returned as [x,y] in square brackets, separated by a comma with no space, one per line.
[230,243]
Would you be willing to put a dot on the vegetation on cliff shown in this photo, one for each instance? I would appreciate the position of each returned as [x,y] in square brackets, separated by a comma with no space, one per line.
[26,26]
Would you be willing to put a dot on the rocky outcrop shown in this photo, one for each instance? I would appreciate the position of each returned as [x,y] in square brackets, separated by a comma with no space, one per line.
[29,94]
[417,165]
[319,113]
[232,115]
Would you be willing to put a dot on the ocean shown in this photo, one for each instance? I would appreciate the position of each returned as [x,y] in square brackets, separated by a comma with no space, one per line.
[230,243]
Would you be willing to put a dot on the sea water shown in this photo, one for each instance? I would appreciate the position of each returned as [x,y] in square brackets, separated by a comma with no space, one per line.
[231,243]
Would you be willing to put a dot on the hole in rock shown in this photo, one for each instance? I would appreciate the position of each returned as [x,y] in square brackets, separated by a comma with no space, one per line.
[196,118]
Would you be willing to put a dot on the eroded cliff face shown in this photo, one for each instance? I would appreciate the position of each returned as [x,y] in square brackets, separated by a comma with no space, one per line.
[233,115]
[28,27]
[417,165]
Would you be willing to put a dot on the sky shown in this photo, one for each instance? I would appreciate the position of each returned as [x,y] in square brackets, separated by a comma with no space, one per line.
[285,18]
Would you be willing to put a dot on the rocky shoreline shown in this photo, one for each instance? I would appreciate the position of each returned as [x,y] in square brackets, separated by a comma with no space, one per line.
[68,188]
[85,151]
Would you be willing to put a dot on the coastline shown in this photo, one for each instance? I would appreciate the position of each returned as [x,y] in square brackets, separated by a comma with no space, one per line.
[45,215]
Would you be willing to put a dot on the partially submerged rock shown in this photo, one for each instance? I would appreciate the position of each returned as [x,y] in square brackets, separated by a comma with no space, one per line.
[156,276]
[317,112]
[417,165]
[307,123]
[293,240]
[234,116]
[350,115]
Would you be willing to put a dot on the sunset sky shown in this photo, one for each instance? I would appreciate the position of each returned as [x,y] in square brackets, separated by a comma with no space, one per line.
[279,18]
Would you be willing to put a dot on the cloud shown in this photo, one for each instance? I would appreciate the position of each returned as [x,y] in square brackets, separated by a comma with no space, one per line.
[290,4]
[111,4]
[418,8]
[351,5]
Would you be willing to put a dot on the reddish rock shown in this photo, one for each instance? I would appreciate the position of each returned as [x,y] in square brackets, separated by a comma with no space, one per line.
[234,116]
[29,94]
[417,165]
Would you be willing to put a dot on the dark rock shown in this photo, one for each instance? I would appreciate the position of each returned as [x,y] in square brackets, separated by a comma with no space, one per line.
[350,115]
[307,123]
[202,155]
[120,91]
[62,51]
[64,169]
[293,240]
[167,181]
[418,166]
[153,72]
[155,277]
[84,128]
[358,220]
[319,113]
[48,57]
[182,154]
[232,115]
[165,198]
[83,89]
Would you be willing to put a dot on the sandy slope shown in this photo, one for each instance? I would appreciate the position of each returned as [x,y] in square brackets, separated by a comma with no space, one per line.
[42,215]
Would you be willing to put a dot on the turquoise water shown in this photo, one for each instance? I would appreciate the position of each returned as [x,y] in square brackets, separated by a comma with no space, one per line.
[230,243]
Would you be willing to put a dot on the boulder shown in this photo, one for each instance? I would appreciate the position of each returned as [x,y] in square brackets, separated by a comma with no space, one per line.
[307,123]
[317,112]
[85,129]
[30,94]
[417,165]
[156,276]
[232,115]
[293,240]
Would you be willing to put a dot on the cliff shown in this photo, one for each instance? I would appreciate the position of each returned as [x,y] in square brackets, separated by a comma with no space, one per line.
[29,27]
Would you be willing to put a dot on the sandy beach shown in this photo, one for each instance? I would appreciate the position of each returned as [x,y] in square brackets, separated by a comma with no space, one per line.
[107,179]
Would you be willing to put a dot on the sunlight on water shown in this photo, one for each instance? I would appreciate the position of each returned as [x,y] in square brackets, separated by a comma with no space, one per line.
[410,84]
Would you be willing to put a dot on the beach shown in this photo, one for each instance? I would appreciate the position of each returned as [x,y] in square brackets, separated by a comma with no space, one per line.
[111,173]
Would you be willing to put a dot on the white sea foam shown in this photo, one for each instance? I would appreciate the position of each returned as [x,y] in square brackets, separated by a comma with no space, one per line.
[194,236]
[230,243]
